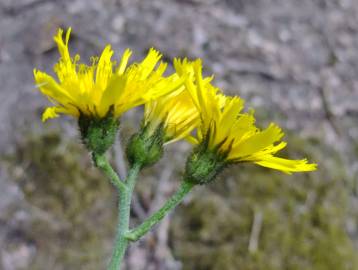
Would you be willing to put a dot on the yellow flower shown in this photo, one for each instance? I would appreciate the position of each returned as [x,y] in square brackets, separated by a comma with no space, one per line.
[93,90]
[176,111]
[227,130]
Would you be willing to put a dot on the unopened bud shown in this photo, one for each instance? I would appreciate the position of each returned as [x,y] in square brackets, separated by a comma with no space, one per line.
[146,148]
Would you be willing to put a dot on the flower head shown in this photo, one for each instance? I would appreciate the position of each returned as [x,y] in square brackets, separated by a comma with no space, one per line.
[231,134]
[167,119]
[175,112]
[93,90]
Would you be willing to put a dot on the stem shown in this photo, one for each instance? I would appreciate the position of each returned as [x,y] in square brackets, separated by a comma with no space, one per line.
[102,163]
[136,233]
[121,242]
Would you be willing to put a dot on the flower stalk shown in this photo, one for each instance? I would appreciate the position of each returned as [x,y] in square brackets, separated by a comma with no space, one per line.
[124,207]
[102,163]
[138,232]
[125,190]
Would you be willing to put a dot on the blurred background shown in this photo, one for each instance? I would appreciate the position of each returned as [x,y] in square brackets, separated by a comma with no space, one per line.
[295,62]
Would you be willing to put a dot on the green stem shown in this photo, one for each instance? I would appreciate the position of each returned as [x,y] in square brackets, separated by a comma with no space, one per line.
[137,233]
[121,242]
[102,163]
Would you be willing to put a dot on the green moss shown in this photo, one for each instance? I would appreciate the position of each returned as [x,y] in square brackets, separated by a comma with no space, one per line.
[302,225]
[77,203]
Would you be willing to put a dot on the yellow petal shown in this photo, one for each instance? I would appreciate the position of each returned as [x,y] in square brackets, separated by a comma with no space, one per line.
[104,68]
[228,118]
[49,113]
[258,141]
[124,61]
[149,62]
[286,165]
[63,46]
[49,87]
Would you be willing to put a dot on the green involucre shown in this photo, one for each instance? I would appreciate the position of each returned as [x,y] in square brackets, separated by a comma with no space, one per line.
[98,134]
[203,165]
[146,148]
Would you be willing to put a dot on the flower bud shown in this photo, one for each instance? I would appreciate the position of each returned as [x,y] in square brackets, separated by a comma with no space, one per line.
[146,148]
[98,134]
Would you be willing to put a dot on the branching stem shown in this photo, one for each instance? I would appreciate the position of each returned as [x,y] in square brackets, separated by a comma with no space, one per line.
[125,191]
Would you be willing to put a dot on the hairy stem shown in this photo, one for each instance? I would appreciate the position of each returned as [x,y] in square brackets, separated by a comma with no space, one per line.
[102,163]
[137,233]
[121,242]
[125,191]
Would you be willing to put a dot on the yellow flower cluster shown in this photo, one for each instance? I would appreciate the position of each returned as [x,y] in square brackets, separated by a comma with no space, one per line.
[183,103]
